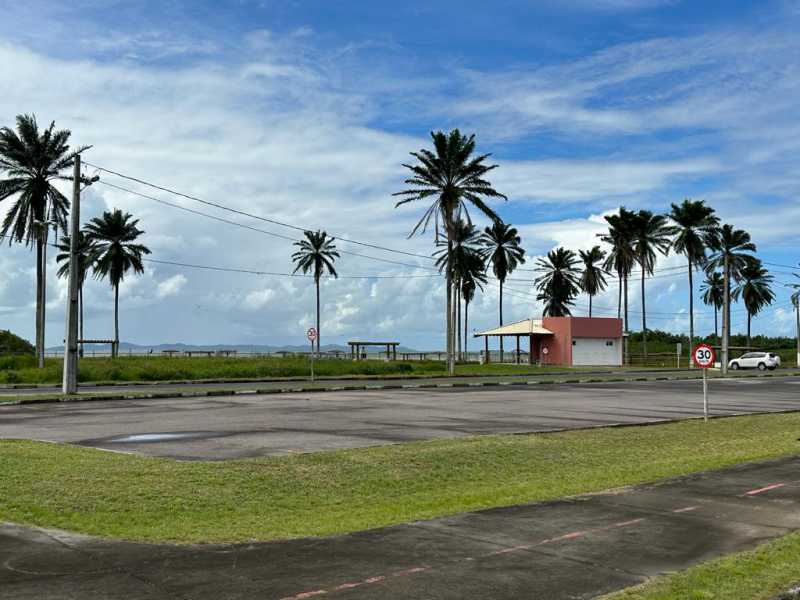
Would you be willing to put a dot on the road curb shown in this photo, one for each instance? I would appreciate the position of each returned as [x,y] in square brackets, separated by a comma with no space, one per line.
[353,388]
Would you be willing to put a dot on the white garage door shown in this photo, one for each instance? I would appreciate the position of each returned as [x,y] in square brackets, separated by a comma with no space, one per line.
[596,352]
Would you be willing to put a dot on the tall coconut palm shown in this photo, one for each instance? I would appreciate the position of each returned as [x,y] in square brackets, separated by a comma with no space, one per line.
[713,295]
[451,178]
[501,247]
[796,304]
[316,253]
[559,282]
[113,237]
[463,254]
[651,235]
[86,258]
[472,279]
[755,290]
[730,251]
[32,161]
[692,221]
[621,259]
[593,277]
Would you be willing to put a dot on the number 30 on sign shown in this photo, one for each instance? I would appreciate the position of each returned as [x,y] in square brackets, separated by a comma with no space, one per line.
[704,356]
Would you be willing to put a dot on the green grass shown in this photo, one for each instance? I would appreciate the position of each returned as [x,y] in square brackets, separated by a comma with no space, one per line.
[757,574]
[22,369]
[134,497]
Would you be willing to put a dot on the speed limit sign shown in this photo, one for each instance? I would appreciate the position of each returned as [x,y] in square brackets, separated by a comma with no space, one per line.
[311,334]
[704,356]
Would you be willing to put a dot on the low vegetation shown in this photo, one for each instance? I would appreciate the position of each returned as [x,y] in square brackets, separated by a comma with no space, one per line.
[134,497]
[759,574]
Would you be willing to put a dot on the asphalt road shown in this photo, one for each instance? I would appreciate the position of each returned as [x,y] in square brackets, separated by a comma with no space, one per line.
[577,548]
[219,428]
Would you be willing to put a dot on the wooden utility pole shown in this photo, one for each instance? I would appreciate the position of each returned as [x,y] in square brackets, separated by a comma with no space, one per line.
[70,382]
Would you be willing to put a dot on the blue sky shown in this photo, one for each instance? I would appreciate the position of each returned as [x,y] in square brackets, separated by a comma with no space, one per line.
[303,111]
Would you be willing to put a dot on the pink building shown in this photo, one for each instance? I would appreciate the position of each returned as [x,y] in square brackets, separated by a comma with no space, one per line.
[568,341]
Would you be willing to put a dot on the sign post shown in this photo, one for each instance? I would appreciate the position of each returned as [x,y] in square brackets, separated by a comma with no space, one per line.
[679,348]
[311,334]
[704,358]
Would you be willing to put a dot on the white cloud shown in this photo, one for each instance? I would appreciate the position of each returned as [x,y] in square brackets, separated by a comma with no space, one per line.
[171,286]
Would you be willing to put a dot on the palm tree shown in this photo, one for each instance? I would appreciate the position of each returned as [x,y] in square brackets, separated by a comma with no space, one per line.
[796,303]
[317,253]
[472,278]
[730,250]
[453,178]
[650,235]
[559,283]
[692,222]
[621,259]
[87,256]
[463,255]
[113,238]
[755,290]
[593,277]
[713,292]
[33,161]
[501,247]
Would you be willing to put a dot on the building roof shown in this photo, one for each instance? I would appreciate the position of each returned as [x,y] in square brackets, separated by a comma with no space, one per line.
[524,327]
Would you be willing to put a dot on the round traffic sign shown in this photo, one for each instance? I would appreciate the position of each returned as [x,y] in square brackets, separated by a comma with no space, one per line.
[704,356]
[311,334]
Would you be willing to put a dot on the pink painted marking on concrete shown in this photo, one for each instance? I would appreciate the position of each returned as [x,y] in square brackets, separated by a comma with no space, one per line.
[508,550]
[685,509]
[347,586]
[304,595]
[411,571]
[567,536]
[774,486]
[625,523]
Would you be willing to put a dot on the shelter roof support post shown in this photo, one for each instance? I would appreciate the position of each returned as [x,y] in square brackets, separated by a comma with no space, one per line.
[517,358]
[530,350]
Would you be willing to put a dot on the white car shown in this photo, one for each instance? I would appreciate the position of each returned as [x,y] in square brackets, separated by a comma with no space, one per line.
[756,360]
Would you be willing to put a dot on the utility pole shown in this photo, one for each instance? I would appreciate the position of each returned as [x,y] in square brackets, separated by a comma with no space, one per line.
[70,383]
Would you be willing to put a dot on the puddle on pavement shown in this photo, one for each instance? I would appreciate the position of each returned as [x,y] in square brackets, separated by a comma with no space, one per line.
[144,438]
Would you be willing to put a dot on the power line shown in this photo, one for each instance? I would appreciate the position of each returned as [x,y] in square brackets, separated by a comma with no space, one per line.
[256,229]
[272,273]
[251,215]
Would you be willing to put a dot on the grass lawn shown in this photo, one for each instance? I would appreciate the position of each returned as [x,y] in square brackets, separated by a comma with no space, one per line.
[758,574]
[112,494]
[21,369]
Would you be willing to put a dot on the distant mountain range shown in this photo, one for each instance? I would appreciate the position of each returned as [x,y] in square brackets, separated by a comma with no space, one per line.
[242,348]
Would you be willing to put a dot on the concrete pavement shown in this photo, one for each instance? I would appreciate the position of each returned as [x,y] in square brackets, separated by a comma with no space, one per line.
[218,428]
[575,548]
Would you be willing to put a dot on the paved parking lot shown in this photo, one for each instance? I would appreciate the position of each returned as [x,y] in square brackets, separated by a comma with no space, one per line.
[219,428]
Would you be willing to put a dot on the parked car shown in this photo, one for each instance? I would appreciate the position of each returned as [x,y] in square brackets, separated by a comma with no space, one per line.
[756,360]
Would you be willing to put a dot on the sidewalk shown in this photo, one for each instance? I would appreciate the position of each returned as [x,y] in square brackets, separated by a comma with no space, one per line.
[573,548]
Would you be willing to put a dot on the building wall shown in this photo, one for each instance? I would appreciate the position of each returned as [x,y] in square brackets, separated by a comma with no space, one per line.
[560,344]
[565,329]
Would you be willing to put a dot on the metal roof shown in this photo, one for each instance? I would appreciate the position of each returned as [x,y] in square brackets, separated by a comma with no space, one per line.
[524,327]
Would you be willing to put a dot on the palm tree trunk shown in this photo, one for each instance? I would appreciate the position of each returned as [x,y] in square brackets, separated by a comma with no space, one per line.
[726,315]
[449,325]
[590,306]
[40,281]
[644,318]
[797,314]
[115,349]
[318,333]
[501,320]
[619,295]
[626,339]
[691,314]
[466,320]
[458,320]
[80,310]
[749,317]
[716,327]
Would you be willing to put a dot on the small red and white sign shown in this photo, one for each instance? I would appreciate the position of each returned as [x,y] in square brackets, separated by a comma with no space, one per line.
[311,334]
[704,356]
